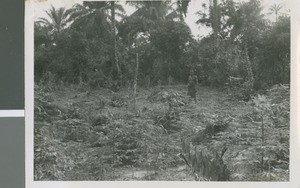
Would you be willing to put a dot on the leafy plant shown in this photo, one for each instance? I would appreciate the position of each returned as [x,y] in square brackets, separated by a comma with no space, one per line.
[267,111]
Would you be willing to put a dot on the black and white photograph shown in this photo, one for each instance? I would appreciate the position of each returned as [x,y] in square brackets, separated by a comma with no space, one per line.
[170,90]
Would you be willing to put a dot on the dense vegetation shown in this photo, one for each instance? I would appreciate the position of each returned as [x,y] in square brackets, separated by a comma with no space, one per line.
[109,100]
[80,45]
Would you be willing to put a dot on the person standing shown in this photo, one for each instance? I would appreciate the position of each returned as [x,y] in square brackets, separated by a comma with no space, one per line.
[192,83]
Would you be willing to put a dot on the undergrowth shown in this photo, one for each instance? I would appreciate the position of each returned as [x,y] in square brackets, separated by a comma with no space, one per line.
[97,135]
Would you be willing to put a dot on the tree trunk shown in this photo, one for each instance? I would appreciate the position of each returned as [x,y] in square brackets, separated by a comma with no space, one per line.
[113,43]
[250,77]
[215,27]
[135,79]
[215,21]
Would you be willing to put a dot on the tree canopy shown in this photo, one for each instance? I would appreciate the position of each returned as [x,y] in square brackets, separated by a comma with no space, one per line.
[87,44]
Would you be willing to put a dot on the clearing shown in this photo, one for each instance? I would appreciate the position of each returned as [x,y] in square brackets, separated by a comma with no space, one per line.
[102,135]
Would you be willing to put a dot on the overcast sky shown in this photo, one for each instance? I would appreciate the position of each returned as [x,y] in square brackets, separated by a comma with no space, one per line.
[194,6]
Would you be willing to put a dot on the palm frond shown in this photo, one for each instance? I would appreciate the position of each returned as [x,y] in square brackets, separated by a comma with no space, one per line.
[44,21]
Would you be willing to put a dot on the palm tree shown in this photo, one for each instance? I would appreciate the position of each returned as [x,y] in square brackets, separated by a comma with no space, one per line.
[58,19]
[152,11]
[96,14]
[91,18]
[149,15]
[276,10]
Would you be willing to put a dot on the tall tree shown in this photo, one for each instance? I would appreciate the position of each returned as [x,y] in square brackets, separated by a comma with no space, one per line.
[92,19]
[57,19]
[93,15]
[165,37]
[150,12]
[149,16]
[275,9]
[236,26]
[215,14]
[274,65]
[113,37]
[248,24]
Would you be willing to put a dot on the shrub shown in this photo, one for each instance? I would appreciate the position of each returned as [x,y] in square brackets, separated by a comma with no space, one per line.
[44,109]
[50,162]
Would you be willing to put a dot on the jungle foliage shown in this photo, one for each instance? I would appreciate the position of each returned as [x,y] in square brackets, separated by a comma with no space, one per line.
[75,45]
